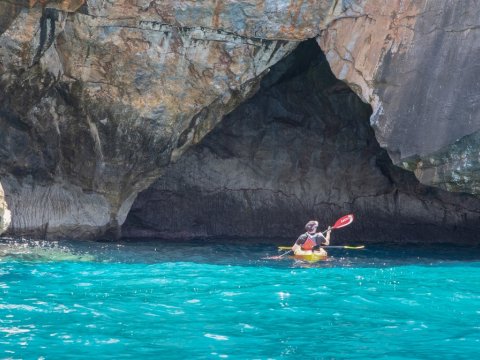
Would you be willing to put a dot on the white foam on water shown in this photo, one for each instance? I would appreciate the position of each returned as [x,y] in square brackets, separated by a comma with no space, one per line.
[231,293]
[246,326]
[216,337]
[84,284]
[17,307]
[193,301]
[108,341]
[13,331]
[283,295]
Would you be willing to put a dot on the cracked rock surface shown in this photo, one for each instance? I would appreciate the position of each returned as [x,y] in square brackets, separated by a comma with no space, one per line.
[94,104]
[415,63]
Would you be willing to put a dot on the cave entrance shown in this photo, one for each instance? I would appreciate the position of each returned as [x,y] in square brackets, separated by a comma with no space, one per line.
[301,148]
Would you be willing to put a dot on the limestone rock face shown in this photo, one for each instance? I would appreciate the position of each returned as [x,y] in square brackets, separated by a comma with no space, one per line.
[9,9]
[93,104]
[413,61]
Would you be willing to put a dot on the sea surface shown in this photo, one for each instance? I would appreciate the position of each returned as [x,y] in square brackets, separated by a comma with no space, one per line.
[152,300]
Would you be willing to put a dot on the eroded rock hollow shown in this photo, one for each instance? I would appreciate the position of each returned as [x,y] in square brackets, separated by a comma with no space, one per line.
[301,148]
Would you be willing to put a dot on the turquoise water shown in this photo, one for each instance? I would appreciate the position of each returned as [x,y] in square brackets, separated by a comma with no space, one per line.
[194,301]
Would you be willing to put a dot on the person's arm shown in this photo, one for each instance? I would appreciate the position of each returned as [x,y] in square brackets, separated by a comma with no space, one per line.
[296,247]
[298,243]
[327,238]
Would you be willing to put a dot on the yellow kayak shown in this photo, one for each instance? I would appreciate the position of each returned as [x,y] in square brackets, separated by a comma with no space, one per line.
[311,258]
[316,256]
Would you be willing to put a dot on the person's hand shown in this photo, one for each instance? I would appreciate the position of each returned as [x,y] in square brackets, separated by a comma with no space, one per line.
[329,229]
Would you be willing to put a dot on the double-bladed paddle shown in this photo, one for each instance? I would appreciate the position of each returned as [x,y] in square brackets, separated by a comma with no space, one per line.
[342,222]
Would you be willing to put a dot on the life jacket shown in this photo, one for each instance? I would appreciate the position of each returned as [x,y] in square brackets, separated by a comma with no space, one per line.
[309,243]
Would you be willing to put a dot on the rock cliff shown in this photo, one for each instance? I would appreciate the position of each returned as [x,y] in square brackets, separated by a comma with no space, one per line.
[413,61]
[97,99]
[95,103]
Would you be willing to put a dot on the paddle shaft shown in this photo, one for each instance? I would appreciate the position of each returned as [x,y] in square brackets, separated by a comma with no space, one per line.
[288,252]
[330,247]
[344,247]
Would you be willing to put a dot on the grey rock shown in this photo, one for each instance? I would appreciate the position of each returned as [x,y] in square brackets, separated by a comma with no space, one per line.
[415,63]
[92,107]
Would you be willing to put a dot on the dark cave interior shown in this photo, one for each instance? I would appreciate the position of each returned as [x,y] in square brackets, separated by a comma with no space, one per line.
[301,148]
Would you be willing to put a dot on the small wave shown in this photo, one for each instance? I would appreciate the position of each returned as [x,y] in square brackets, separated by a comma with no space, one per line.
[13,331]
[17,307]
[216,337]
[108,341]
[246,326]
[193,301]
[231,293]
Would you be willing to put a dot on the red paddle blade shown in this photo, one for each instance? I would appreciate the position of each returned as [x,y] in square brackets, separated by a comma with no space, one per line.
[343,221]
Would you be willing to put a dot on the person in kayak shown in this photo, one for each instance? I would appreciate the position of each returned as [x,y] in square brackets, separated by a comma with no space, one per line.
[311,241]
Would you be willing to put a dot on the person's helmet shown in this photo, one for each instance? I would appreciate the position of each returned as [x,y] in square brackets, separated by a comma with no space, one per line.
[311,226]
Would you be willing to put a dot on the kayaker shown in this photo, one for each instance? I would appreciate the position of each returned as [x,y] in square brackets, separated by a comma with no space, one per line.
[311,241]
